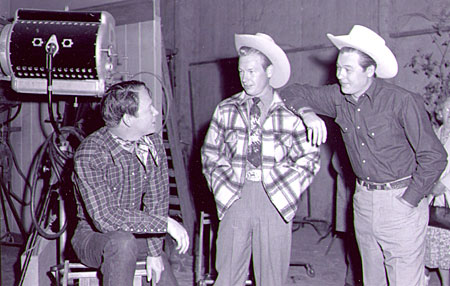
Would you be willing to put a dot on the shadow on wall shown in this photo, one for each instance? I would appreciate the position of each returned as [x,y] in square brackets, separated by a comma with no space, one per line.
[211,82]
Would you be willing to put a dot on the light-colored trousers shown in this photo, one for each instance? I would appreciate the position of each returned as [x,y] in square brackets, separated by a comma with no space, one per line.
[253,228]
[391,237]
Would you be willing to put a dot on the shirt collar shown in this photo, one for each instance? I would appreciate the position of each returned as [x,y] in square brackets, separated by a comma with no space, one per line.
[244,99]
[141,147]
[127,145]
[371,92]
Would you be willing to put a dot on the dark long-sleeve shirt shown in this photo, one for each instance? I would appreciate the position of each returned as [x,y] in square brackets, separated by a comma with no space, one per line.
[116,192]
[387,133]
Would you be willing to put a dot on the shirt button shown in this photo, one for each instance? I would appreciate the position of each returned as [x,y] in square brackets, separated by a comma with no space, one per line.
[362,144]
[358,127]
[373,134]
[132,173]
[364,161]
[368,178]
[359,109]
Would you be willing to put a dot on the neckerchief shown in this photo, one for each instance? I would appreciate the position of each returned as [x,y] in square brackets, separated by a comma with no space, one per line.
[141,148]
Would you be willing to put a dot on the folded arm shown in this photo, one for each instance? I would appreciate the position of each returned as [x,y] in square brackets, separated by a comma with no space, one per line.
[305,101]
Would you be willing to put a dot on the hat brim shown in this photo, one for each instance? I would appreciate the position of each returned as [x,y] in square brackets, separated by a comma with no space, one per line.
[387,66]
[279,59]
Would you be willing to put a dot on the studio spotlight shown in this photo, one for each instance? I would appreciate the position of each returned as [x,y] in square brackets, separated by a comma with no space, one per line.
[71,53]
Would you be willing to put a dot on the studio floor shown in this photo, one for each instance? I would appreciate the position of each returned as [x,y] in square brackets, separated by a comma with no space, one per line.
[329,267]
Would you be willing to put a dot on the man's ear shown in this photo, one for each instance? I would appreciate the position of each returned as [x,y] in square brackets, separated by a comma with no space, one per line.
[269,71]
[126,119]
[370,70]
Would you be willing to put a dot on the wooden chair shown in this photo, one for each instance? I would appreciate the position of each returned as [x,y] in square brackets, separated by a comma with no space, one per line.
[70,272]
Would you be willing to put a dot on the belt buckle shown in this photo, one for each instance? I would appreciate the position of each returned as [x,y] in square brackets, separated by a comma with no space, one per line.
[254,175]
[372,186]
[381,187]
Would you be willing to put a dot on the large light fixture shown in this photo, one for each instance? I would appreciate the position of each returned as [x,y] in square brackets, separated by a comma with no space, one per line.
[71,53]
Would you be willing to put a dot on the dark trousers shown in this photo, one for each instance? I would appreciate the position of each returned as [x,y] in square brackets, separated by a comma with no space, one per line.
[115,254]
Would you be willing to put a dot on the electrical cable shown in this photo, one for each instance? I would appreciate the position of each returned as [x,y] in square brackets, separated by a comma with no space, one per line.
[40,216]
[49,167]
[12,156]
[19,170]
[19,108]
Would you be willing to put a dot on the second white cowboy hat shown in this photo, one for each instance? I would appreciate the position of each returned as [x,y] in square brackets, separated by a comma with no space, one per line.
[369,42]
[266,45]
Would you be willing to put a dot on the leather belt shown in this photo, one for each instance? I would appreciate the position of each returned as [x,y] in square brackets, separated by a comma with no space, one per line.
[385,186]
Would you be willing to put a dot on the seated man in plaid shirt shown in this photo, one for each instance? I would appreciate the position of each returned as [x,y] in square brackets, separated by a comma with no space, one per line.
[123,191]
[257,162]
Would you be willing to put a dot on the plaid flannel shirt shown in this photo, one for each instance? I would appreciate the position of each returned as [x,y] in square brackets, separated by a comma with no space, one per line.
[289,161]
[116,192]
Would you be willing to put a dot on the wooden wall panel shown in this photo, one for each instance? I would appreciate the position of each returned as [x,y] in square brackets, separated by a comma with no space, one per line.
[299,27]
[139,50]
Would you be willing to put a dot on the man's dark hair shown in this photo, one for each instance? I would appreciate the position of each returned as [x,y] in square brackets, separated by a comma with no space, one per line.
[120,99]
[365,60]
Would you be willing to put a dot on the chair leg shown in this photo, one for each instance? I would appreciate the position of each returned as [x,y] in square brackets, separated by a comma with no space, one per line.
[66,273]
[200,254]
[137,281]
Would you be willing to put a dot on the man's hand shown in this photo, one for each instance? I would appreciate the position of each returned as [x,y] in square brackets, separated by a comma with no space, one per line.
[179,233]
[316,129]
[438,189]
[156,265]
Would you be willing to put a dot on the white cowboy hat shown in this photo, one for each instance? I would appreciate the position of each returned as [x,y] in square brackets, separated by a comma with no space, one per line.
[369,42]
[266,45]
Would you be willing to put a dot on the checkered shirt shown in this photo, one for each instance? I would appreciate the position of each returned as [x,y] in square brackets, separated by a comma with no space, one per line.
[116,192]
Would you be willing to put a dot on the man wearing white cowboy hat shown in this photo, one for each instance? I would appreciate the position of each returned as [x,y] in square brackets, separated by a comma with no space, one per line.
[393,152]
[257,162]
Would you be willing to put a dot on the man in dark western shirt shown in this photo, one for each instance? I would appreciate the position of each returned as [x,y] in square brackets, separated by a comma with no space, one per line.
[123,196]
[393,151]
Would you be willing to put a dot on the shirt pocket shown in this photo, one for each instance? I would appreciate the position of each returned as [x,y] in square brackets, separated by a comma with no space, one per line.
[379,132]
[283,143]
[347,132]
[346,128]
